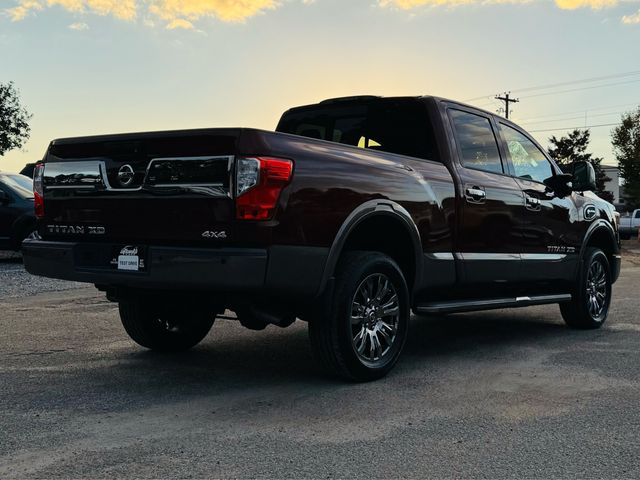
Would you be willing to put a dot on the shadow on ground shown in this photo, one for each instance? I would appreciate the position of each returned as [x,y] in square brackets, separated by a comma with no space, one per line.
[233,359]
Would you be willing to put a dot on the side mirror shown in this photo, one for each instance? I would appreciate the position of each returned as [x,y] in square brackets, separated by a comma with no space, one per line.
[4,198]
[584,177]
[560,184]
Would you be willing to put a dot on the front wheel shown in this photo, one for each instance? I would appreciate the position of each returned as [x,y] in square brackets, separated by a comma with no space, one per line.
[363,326]
[592,295]
[164,328]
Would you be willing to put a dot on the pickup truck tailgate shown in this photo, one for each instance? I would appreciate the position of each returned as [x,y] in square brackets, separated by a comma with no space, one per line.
[160,187]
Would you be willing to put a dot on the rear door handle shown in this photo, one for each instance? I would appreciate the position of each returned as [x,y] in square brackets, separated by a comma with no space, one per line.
[475,194]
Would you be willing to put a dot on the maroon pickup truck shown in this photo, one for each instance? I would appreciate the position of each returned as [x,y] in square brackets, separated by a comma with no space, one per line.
[354,213]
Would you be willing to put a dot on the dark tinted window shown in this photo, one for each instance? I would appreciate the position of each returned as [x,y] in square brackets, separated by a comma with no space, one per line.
[477,142]
[638,214]
[398,126]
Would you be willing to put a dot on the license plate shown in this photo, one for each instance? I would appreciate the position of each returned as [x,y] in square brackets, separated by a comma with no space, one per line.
[129,262]
[129,258]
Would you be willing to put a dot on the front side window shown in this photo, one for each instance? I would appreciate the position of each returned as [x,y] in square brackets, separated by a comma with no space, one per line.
[527,159]
[477,142]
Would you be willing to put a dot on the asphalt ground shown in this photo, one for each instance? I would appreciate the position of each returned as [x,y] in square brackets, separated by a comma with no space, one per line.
[503,394]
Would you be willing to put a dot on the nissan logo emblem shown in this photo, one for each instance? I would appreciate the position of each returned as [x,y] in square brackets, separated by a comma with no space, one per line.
[125,175]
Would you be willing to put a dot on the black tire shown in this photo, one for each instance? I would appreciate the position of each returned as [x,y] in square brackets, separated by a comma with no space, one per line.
[336,339]
[164,328]
[589,308]
[21,231]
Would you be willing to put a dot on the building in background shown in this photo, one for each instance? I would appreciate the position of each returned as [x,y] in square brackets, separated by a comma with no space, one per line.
[614,185]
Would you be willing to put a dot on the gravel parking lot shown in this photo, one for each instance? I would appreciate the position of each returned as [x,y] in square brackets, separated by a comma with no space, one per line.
[505,394]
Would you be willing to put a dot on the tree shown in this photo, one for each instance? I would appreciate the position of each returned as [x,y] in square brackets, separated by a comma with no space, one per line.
[626,147]
[572,148]
[14,119]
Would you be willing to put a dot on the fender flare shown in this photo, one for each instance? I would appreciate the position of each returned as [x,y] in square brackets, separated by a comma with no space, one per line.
[365,211]
[593,228]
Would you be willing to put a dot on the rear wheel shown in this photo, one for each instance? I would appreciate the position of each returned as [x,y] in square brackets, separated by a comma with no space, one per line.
[363,328]
[592,295]
[164,328]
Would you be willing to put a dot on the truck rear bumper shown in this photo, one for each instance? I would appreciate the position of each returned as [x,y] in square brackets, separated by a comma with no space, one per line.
[286,269]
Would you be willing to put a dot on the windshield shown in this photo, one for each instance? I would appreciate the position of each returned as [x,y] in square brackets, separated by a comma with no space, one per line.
[19,184]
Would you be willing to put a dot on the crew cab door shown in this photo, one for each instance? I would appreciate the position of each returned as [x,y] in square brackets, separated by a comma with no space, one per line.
[549,223]
[489,200]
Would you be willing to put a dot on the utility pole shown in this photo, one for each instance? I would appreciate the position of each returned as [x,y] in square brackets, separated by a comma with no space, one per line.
[507,102]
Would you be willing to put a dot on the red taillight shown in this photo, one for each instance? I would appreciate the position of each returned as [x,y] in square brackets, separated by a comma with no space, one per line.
[259,182]
[38,190]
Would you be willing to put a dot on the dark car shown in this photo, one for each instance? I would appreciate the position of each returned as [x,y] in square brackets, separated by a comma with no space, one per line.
[17,217]
[354,213]
[27,171]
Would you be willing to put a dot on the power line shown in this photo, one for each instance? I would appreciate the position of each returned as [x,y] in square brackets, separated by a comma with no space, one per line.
[562,84]
[589,109]
[582,89]
[574,128]
[586,80]
[572,118]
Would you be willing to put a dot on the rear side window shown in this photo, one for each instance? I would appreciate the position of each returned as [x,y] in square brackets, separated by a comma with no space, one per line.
[476,141]
[527,159]
[399,126]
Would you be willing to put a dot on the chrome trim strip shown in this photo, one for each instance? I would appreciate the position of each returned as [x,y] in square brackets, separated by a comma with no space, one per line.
[466,256]
[471,256]
[440,256]
[549,257]
[72,175]
[95,172]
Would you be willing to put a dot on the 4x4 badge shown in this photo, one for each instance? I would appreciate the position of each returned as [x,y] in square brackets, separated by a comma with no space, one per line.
[216,235]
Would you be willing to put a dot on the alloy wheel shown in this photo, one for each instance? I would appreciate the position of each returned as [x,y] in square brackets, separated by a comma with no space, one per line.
[375,316]
[597,289]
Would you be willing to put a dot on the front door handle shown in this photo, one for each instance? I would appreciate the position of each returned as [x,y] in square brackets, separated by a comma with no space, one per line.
[532,203]
[475,194]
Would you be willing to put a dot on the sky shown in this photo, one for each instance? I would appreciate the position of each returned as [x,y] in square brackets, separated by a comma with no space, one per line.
[87,67]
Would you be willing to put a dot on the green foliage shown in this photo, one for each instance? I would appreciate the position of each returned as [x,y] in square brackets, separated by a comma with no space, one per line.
[14,119]
[626,147]
[572,148]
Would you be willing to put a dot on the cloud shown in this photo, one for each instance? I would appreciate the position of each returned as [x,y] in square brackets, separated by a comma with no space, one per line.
[594,4]
[79,26]
[122,9]
[174,13]
[225,10]
[564,4]
[20,11]
[632,19]
[180,23]
[183,14]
